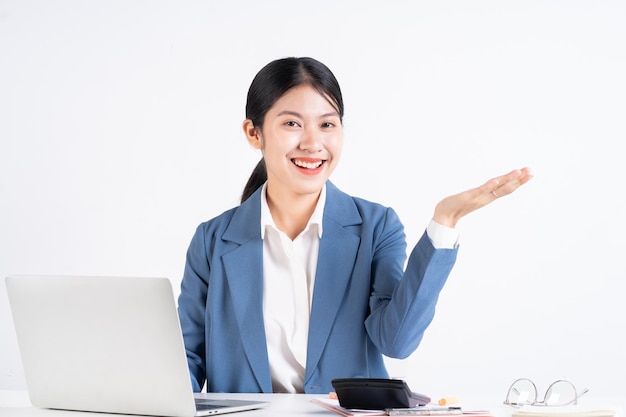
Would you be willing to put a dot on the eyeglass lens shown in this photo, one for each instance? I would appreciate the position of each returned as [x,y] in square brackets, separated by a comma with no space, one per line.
[560,393]
[523,391]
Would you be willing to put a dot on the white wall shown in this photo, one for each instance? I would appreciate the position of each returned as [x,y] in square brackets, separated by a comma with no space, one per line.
[120,132]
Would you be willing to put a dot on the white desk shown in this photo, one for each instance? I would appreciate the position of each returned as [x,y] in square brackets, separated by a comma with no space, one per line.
[17,404]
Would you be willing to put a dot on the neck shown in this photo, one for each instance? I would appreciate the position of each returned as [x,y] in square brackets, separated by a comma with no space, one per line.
[291,212]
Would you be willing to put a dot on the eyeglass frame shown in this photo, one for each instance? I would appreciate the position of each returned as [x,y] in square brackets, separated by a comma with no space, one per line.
[543,402]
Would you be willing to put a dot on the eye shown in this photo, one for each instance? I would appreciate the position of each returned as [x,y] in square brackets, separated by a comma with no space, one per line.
[330,123]
[291,123]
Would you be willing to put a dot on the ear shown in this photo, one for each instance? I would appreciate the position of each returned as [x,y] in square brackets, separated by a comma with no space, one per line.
[252,134]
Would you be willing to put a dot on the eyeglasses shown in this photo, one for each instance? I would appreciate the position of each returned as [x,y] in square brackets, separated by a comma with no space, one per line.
[524,392]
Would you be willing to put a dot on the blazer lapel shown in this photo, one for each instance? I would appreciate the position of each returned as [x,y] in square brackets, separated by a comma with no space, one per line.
[336,260]
[243,268]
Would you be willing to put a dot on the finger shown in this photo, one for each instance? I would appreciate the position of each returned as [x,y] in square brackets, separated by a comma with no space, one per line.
[505,184]
[510,182]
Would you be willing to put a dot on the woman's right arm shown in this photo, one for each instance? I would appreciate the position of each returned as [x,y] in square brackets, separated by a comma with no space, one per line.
[192,307]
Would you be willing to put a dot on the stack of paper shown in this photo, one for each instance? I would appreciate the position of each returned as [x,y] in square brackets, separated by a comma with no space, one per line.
[566,411]
[333,405]
[438,411]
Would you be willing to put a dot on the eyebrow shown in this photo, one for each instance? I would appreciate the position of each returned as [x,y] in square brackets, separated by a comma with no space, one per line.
[296,114]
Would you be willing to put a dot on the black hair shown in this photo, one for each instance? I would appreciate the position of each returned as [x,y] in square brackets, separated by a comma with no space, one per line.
[274,80]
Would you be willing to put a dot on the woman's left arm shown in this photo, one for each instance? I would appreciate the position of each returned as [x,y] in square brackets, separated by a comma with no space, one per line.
[399,317]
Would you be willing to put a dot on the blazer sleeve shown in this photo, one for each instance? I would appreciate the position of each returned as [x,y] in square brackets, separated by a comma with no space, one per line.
[191,307]
[402,301]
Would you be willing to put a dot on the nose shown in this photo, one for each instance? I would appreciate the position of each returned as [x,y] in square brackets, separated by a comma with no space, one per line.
[311,140]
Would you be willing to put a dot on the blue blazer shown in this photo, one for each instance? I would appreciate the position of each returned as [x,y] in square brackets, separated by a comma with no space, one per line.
[365,305]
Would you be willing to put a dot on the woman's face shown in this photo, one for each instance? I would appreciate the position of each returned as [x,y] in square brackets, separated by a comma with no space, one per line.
[301,141]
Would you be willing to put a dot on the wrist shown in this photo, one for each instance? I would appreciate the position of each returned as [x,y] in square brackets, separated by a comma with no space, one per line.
[445,218]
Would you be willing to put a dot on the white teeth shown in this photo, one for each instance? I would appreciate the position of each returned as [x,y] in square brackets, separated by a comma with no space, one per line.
[308,165]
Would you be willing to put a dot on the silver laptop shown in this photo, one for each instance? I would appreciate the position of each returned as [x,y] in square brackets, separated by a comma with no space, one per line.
[106,344]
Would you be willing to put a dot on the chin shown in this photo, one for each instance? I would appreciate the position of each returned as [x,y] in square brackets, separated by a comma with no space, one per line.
[311,188]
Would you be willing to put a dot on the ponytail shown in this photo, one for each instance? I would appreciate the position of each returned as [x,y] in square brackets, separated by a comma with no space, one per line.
[257,179]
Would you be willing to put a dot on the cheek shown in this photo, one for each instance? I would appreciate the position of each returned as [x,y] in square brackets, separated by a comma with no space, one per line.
[336,147]
[335,152]
[276,147]
[281,140]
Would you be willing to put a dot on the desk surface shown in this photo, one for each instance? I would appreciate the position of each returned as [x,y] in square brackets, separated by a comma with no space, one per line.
[17,404]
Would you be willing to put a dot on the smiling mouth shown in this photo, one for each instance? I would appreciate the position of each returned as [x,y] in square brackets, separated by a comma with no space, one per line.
[308,164]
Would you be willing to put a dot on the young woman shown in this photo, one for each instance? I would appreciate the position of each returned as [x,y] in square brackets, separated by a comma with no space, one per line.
[303,283]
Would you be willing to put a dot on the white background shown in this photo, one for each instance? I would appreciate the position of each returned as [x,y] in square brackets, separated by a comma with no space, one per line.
[120,131]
